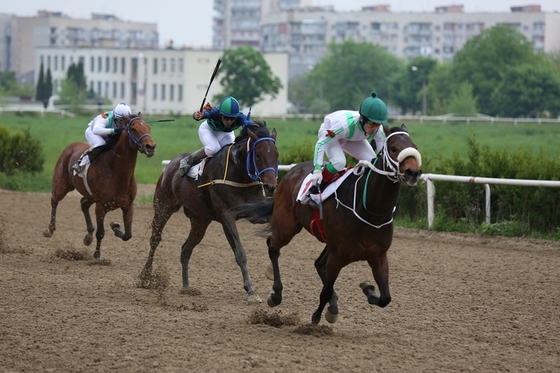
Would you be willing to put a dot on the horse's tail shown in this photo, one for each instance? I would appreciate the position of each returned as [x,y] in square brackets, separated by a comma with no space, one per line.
[255,212]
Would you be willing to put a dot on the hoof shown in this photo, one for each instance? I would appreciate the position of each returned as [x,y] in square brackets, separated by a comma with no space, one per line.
[254,299]
[47,233]
[331,317]
[88,239]
[271,302]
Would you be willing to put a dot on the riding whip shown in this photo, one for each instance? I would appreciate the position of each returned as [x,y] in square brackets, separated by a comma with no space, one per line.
[209,84]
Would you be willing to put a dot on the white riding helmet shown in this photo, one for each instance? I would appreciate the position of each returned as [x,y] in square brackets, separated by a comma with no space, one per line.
[121,110]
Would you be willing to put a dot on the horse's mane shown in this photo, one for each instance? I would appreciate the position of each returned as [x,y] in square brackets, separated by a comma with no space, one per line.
[258,128]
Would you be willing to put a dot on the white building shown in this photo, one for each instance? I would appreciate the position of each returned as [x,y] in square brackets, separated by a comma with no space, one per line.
[158,81]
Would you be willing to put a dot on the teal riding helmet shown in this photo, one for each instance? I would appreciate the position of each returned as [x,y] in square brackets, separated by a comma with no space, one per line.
[229,107]
[374,109]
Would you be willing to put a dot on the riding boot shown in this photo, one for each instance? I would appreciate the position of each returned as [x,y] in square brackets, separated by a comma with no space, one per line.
[191,160]
[81,162]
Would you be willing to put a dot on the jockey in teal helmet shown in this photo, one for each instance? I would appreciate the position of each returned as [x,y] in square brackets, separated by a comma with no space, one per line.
[347,131]
[216,131]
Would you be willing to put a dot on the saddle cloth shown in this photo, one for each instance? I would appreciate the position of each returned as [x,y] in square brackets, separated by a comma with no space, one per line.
[329,190]
[197,169]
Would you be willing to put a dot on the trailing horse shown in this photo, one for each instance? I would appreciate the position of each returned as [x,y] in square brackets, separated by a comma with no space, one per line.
[242,172]
[108,182]
[356,222]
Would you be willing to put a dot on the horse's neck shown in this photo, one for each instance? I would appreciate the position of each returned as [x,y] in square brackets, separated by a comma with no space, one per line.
[234,157]
[123,158]
[381,194]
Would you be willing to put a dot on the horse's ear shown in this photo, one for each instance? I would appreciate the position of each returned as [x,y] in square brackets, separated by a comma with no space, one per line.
[273,134]
[139,113]
[387,130]
[403,127]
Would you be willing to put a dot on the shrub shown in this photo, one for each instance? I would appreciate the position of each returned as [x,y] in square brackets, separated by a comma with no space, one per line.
[20,152]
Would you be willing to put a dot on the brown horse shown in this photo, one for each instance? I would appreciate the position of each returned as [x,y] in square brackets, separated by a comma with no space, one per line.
[109,181]
[242,172]
[357,221]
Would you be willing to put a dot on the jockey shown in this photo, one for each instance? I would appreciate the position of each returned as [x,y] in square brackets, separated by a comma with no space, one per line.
[216,131]
[98,132]
[346,131]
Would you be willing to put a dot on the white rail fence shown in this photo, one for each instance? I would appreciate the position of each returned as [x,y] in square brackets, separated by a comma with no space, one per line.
[431,189]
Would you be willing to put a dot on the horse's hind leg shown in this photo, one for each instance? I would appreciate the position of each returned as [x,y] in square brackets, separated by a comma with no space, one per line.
[198,229]
[162,213]
[100,233]
[380,269]
[332,271]
[86,204]
[232,235]
[320,264]
[61,187]
[52,225]
[274,299]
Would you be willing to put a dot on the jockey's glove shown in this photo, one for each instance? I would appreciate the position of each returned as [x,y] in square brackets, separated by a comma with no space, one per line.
[317,177]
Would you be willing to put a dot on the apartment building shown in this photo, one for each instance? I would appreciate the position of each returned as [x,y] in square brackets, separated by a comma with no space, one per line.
[19,36]
[305,32]
[158,81]
[238,22]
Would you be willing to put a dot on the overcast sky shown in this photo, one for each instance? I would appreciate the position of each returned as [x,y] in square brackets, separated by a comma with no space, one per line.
[189,22]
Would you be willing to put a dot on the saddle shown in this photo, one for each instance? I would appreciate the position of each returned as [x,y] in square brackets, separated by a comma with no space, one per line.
[329,190]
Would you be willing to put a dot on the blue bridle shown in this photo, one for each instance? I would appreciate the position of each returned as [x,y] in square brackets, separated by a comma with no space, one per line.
[252,160]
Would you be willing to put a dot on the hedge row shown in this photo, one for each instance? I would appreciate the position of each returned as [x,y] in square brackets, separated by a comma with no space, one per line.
[20,152]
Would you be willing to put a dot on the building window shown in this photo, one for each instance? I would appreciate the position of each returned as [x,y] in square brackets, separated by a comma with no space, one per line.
[163,92]
[107,64]
[122,91]
[114,89]
[106,92]
[115,65]
[171,92]
[154,90]
[99,89]
[180,92]
[48,62]
[123,65]
[163,65]
[172,65]
[92,63]
[155,66]
[55,63]
[63,63]
[181,66]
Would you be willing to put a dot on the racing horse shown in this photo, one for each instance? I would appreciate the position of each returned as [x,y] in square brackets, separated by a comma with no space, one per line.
[242,172]
[356,223]
[108,181]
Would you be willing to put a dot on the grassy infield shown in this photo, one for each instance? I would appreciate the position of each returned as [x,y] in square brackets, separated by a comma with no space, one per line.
[434,140]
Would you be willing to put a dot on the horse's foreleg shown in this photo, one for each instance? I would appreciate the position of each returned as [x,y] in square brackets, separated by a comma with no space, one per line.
[320,265]
[100,233]
[275,298]
[198,229]
[127,213]
[86,204]
[232,235]
[380,270]
[332,271]
[52,225]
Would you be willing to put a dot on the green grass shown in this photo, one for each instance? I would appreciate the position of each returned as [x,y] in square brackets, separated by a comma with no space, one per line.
[434,140]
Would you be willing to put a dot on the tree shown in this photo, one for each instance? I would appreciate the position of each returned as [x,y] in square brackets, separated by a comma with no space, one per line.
[410,81]
[40,91]
[350,72]
[73,89]
[486,57]
[439,89]
[528,90]
[48,88]
[462,103]
[246,76]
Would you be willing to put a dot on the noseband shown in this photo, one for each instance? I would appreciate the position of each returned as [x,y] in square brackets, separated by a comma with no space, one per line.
[251,162]
[134,139]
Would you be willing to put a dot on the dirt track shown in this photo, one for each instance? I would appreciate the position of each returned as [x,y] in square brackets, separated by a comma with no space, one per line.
[460,303]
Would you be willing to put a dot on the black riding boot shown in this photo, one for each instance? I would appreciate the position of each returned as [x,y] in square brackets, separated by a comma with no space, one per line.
[191,160]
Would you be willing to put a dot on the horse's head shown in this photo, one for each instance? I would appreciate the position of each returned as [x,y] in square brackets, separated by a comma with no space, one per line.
[138,133]
[262,155]
[402,156]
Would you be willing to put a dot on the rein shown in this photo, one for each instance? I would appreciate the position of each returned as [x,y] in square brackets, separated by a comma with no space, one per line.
[250,161]
[393,174]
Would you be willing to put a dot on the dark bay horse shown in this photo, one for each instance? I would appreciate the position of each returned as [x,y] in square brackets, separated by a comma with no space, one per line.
[357,221]
[109,182]
[242,172]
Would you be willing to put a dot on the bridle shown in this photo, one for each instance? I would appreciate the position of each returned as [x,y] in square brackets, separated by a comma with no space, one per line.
[251,161]
[134,139]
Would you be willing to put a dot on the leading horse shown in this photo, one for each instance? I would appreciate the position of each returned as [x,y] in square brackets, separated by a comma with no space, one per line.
[109,181]
[242,172]
[356,223]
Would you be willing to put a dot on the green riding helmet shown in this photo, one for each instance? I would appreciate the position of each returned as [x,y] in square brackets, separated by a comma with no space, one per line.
[229,107]
[374,109]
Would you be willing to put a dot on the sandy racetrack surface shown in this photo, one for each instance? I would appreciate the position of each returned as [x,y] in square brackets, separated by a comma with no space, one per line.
[461,303]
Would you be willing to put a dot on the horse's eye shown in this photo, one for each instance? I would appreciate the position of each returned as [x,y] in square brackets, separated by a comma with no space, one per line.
[393,149]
